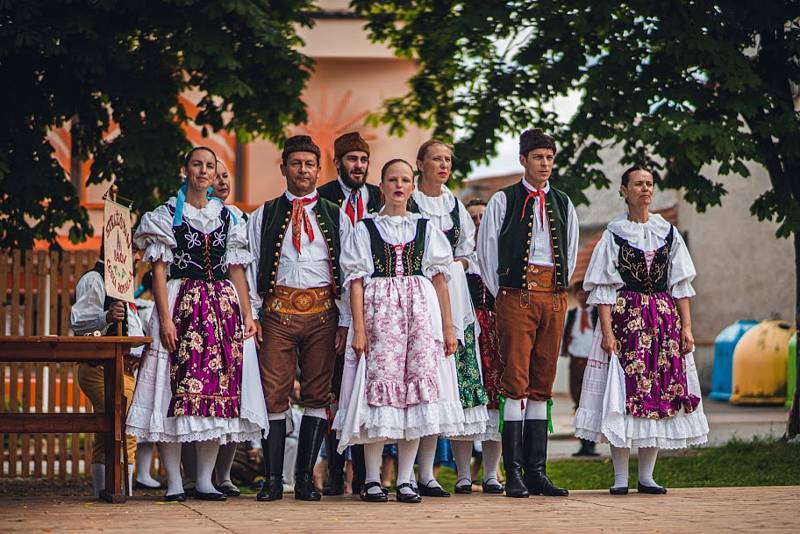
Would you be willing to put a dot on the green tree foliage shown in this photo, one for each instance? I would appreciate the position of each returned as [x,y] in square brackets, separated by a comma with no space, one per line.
[691,88]
[112,60]
[679,84]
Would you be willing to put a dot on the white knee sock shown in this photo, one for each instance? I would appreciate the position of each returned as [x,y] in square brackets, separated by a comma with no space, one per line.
[373,457]
[144,459]
[426,454]
[406,453]
[647,462]
[491,459]
[130,480]
[462,452]
[224,463]
[171,456]
[619,457]
[514,410]
[536,410]
[98,478]
[206,458]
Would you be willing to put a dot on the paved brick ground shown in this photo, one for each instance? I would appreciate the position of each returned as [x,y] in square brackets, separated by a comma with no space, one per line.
[682,510]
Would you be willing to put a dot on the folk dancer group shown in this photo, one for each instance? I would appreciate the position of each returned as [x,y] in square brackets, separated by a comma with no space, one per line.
[405,321]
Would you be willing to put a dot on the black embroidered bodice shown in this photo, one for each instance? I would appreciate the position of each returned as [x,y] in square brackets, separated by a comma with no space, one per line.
[454,233]
[632,265]
[387,257]
[200,256]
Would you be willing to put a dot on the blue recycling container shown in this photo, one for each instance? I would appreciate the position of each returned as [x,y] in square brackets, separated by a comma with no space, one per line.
[722,376]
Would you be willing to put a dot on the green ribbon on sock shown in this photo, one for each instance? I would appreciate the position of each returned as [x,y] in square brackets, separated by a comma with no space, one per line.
[550,416]
[501,402]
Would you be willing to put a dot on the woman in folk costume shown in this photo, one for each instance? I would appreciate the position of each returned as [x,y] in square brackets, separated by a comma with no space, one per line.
[483,300]
[641,387]
[199,379]
[396,266]
[434,201]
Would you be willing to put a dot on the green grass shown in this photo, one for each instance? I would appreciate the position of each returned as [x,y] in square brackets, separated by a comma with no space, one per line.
[738,463]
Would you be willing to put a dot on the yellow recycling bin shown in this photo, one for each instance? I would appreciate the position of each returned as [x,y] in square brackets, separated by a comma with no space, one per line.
[759,364]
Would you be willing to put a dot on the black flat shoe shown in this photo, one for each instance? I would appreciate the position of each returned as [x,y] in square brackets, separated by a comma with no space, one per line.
[228,489]
[143,486]
[272,490]
[650,490]
[175,497]
[619,490]
[366,496]
[435,491]
[200,496]
[492,487]
[464,489]
[410,498]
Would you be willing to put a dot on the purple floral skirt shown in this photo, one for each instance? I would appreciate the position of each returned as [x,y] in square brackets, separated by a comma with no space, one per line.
[206,370]
[648,329]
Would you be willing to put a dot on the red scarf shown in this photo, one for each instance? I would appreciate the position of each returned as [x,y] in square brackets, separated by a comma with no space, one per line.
[534,194]
[300,220]
[355,206]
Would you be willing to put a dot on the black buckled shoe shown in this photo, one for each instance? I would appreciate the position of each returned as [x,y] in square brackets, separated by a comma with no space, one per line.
[535,448]
[512,459]
[492,487]
[373,497]
[200,496]
[463,487]
[410,498]
[618,490]
[312,432]
[272,490]
[175,497]
[431,491]
[650,490]
[273,448]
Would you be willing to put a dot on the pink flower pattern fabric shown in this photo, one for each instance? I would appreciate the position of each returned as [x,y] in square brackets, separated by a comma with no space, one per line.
[401,352]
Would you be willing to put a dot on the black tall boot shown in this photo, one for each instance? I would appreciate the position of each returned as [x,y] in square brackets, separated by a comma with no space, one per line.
[335,484]
[312,432]
[536,459]
[273,448]
[359,468]
[512,459]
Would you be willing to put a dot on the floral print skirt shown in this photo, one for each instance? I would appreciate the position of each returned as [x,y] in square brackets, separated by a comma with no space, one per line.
[470,385]
[206,368]
[490,356]
[649,332]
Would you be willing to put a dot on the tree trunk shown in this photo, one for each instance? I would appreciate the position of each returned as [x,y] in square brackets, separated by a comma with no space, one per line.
[793,424]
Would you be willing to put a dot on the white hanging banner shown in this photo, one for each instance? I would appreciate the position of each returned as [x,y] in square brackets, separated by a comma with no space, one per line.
[118,251]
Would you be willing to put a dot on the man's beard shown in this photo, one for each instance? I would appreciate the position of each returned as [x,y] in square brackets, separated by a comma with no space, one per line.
[352,184]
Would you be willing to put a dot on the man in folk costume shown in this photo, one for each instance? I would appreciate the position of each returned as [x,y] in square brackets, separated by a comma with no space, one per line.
[357,198]
[527,246]
[294,282]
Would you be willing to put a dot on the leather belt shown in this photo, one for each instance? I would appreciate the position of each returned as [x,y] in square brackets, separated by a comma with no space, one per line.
[540,278]
[294,301]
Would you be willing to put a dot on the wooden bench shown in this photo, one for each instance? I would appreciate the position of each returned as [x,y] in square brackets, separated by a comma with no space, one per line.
[108,351]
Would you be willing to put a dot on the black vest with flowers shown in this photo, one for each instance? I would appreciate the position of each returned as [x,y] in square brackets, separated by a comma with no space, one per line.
[386,257]
[200,256]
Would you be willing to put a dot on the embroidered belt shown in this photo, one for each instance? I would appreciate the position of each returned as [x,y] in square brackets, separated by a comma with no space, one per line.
[540,278]
[300,301]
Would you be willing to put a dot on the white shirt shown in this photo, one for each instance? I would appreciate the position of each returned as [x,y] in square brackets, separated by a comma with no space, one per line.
[357,253]
[602,278]
[541,249]
[310,267]
[156,237]
[438,209]
[88,315]
[580,343]
[346,190]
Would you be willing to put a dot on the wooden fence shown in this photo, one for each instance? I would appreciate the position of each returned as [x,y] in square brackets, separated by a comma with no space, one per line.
[37,289]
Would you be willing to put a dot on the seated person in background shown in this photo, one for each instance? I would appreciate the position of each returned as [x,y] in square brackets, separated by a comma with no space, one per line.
[93,312]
